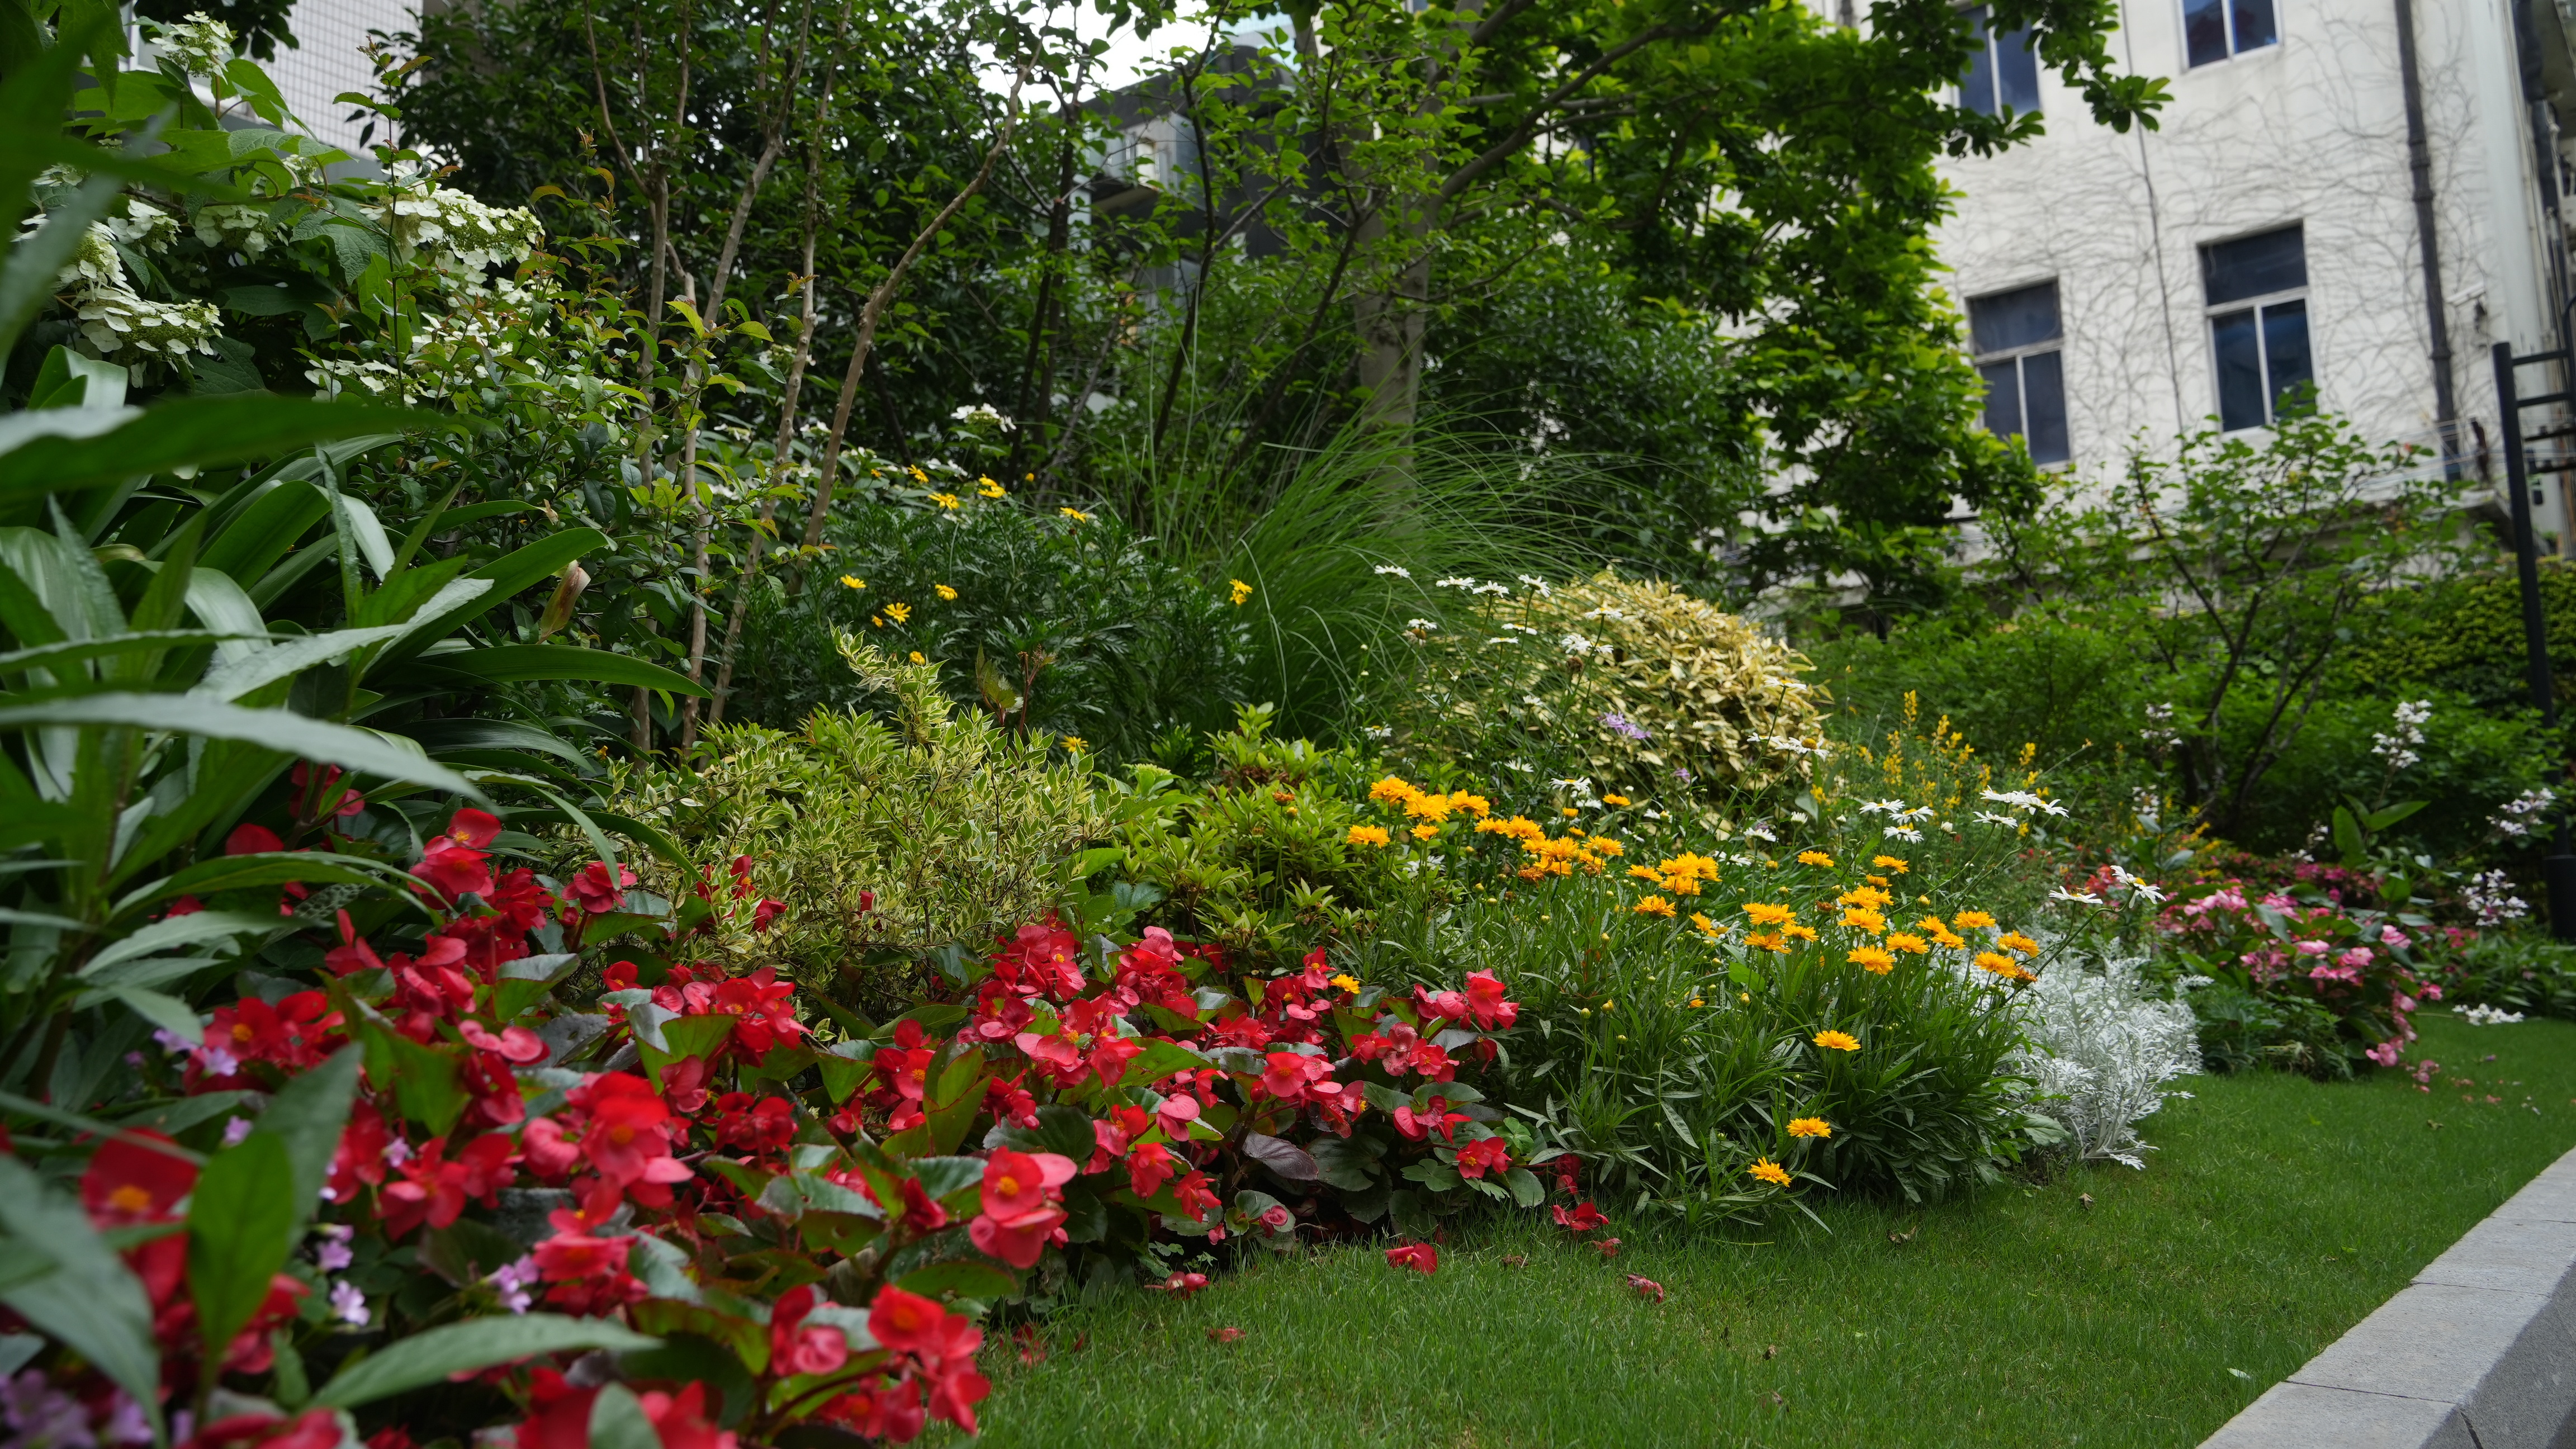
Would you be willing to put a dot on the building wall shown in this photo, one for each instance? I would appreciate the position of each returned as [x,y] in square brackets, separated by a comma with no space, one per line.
[330,61]
[2310,129]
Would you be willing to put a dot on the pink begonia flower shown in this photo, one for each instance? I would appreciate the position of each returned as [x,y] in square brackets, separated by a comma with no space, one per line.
[2386,1052]
[2336,973]
[2357,956]
[2313,948]
[2403,1002]
[2280,902]
[2391,936]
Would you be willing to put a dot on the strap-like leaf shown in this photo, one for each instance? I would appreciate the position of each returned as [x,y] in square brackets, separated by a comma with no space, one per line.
[277,729]
[512,662]
[435,1356]
[91,1303]
[202,432]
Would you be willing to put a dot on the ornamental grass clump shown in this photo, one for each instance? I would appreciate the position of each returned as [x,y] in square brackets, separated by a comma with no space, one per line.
[1636,685]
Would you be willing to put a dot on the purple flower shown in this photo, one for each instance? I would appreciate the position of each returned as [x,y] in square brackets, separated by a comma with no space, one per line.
[1621,724]
[235,1130]
[41,1416]
[332,1254]
[348,1304]
[512,1281]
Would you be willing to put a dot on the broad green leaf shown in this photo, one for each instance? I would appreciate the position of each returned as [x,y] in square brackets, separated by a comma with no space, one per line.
[241,1225]
[275,729]
[961,1280]
[166,1012]
[192,929]
[434,1357]
[239,872]
[2403,810]
[441,736]
[307,1116]
[73,651]
[232,679]
[507,576]
[513,662]
[202,432]
[91,1304]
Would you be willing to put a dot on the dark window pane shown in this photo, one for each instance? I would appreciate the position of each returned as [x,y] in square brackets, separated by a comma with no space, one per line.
[2003,398]
[2253,24]
[2285,348]
[1977,88]
[2276,261]
[2043,391]
[2012,319]
[2017,71]
[2204,30]
[2240,371]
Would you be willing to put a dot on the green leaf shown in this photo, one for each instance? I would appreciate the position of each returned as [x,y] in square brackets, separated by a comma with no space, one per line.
[1525,1187]
[434,1357]
[259,868]
[92,1303]
[241,1225]
[510,663]
[276,729]
[166,1012]
[2347,836]
[503,579]
[961,1280]
[201,432]
[307,1116]
[195,928]
[2393,814]
[1160,1059]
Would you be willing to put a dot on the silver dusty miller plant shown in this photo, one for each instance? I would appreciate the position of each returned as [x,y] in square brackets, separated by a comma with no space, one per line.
[2102,1045]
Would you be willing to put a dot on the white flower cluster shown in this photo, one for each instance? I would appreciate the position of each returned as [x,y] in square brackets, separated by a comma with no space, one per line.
[1399,570]
[2160,733]
[2019,800]
[2487,1015]
[201,44]
[2490,894]
[2103,1043]
[2518,815]
[2398,749]
[981,413]
[460,237]
[120,325]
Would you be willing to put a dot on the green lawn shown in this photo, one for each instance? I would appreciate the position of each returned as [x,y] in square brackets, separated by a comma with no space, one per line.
[2277,1213]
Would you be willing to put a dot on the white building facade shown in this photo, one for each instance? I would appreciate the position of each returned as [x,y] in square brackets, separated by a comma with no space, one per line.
[2273,232]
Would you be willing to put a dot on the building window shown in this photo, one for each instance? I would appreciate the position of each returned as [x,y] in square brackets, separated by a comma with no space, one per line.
[2213,30]
[2258,323]
[2003,74]
[2020,354]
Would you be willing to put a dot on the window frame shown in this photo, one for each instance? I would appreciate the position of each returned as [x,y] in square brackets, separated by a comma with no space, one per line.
[2227,21]
[1984,20]
[2018,354]
[2258,306]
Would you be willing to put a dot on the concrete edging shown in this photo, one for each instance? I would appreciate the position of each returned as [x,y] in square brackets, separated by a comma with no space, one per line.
[2478,1352]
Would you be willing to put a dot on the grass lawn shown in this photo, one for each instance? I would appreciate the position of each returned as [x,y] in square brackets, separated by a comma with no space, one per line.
[2277,1213]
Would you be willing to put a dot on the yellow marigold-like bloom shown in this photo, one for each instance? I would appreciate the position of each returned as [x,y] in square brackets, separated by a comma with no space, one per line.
[1570,812]
[1242,591]
[1764,913]
[1346,981]
[1771,1172]
[1999,963]
[1366,835]
[853,581]
[945,593]
[1076,743]
[988,487]
[1681,885]
[1476,805]
[1655,906]
[1689,867]
[945,500]
[1392,791]
[1591,862]
[1647,872]
[877,619]
[2016,941]
[1888,862]
[917,659]
[1706,926]
[1840,1041]
[1763,941]
[1795,931]
[1424,806]
[1866,897]
[1814,857]
[1614,799]
[1519,827]
[1859,918]
[1810,1127]
[1426,832]
[1076,514]
[1872,960]
[1911,944]
[1876,880]
[1971,920]
[900,613]
[917,475]
[1607,846]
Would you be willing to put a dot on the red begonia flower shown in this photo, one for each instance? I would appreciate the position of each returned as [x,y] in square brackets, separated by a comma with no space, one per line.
[1646,1287]
[1583,1218]
[1420,1257]
[1478,1158]
[596,893]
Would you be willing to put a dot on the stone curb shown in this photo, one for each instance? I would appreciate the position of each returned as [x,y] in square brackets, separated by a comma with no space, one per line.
[2479,1352]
